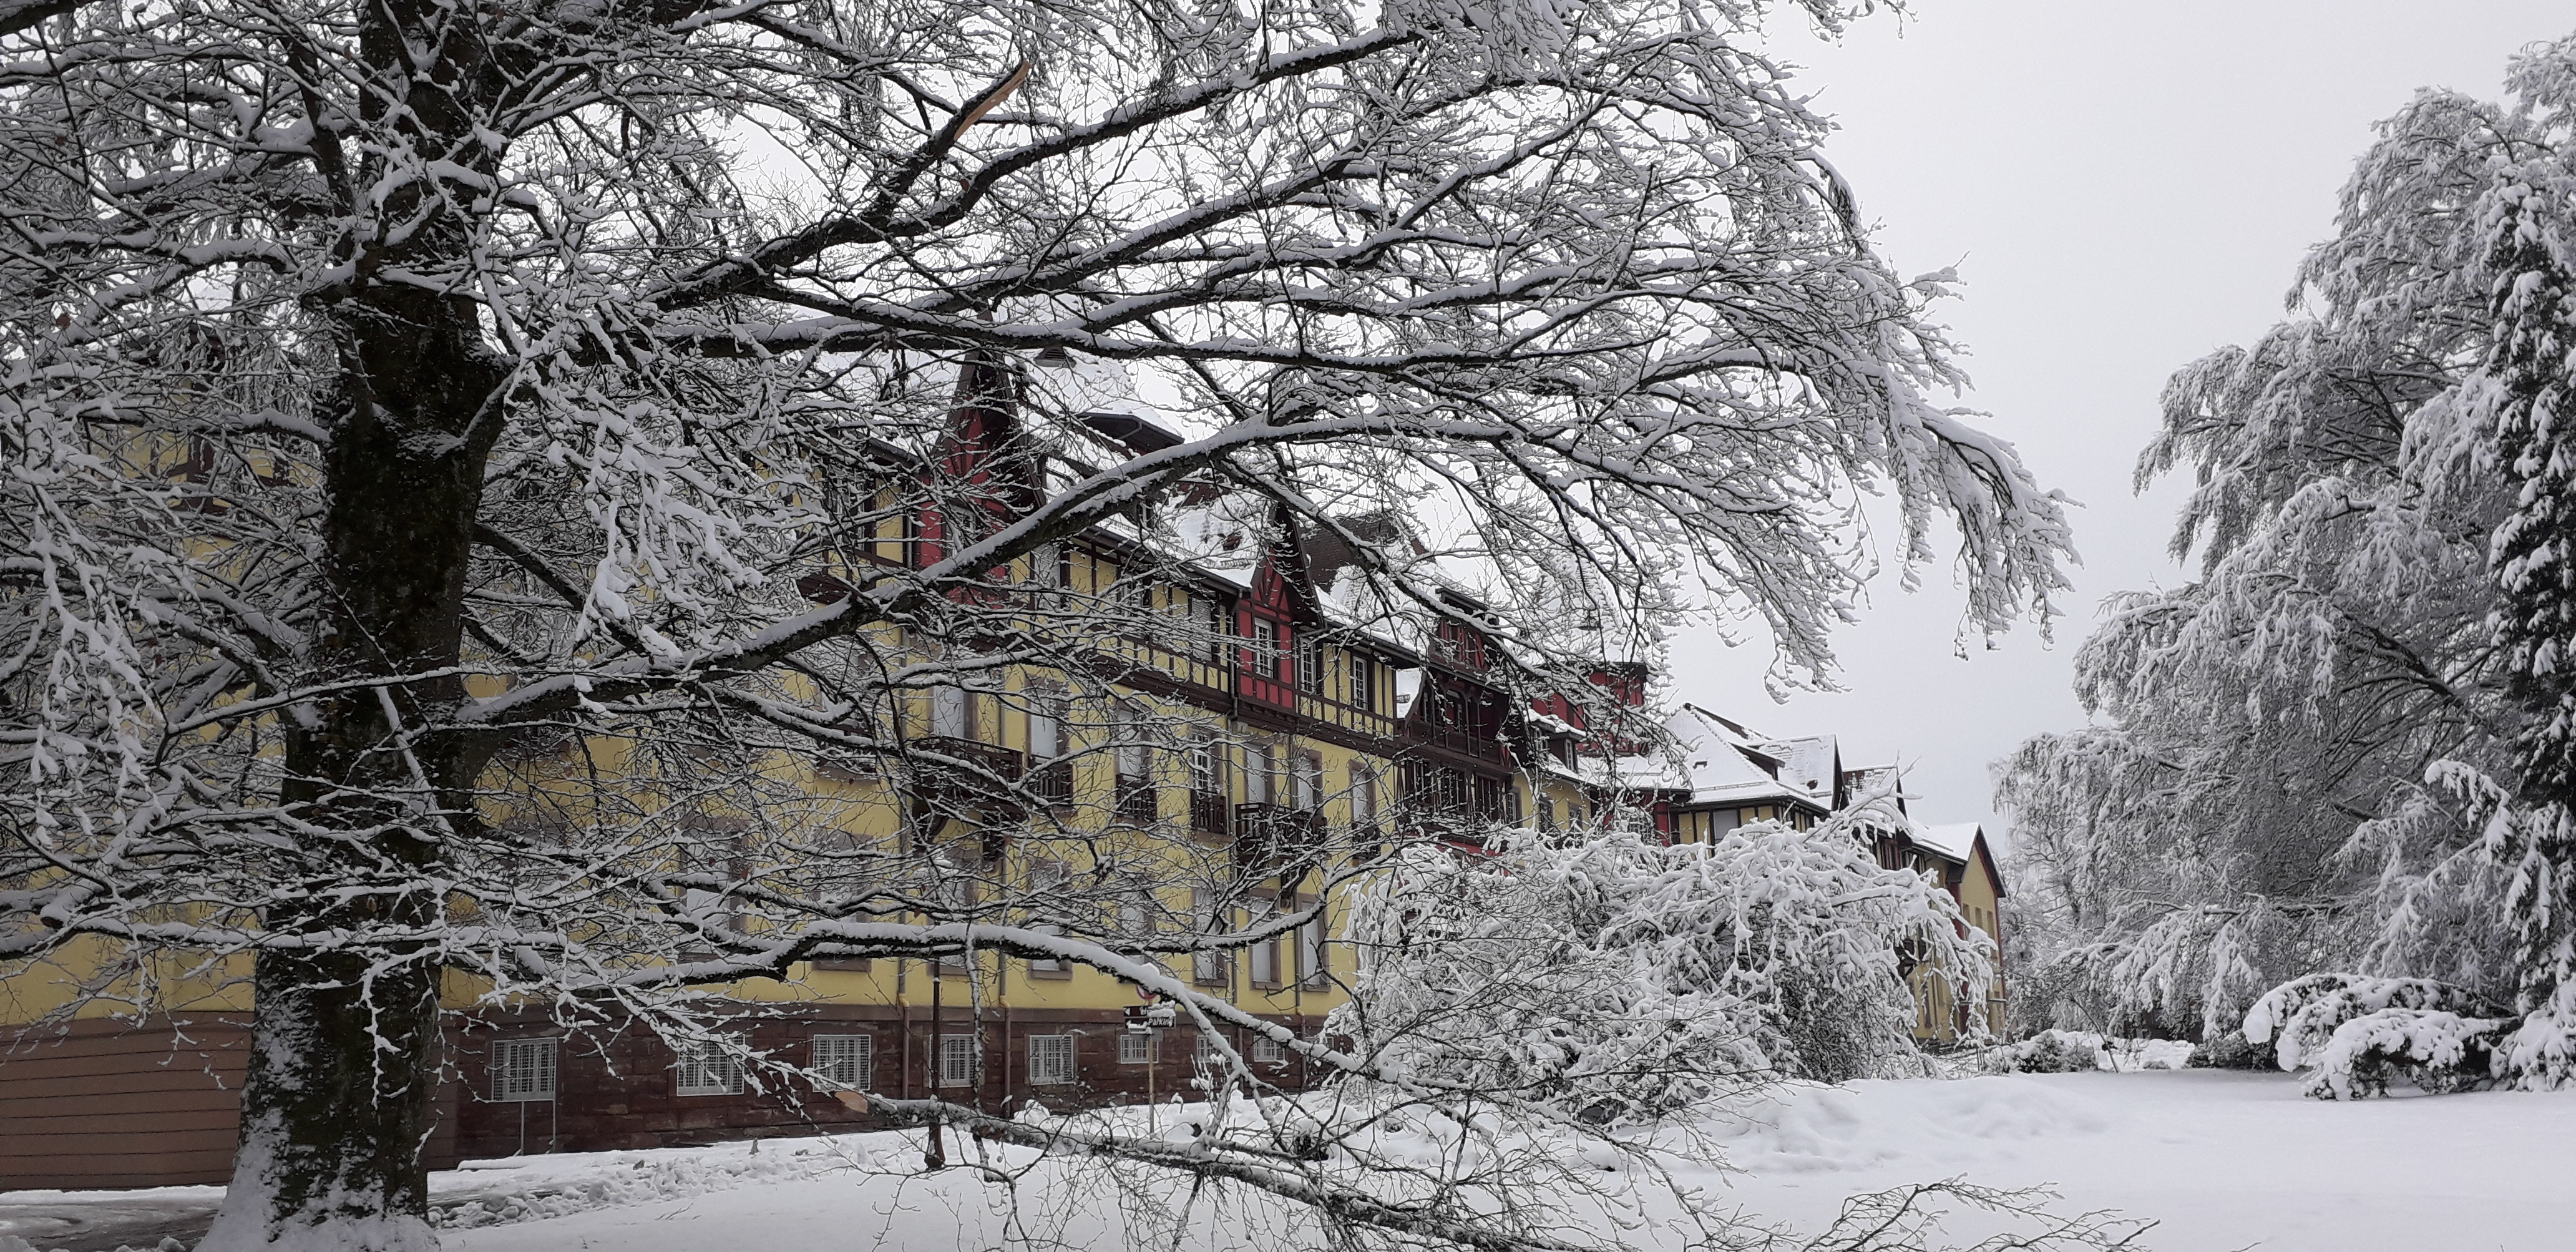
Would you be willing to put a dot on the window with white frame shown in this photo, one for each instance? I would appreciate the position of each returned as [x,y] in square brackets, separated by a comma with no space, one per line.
[957,1060]
[1218,625]
[1210,919]
[1265,647]
[845,1062]
[952,712]
[1136,1047]
[1136,908]
[1207,775]
[1306,780]
[706,1069]
[1047,737]
[1265,954]
[1261,769]
[1268,1051]
[1050,1060]
[1206,1052]
[1132,744]
[523,1069]
[1312,966]
[1049,966]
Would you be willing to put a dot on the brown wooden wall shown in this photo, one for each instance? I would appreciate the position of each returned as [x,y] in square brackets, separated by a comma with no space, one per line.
[103,1103]
[112,1104]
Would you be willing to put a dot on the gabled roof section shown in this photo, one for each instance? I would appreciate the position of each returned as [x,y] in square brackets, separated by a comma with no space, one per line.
[1812,764]
[1723,764]
[1961,843]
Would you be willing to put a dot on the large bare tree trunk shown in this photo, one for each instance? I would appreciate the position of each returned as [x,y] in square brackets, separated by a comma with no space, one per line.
[338,1101]
[338,1098]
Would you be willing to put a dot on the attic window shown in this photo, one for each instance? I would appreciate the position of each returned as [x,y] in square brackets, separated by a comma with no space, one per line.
[1233,541]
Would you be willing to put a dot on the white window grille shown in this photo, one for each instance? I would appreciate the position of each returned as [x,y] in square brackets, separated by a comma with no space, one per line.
[1050,1060]
[957,1060]
[523,1069]
[845,1062]
[1205,1051]
[1269,1051]
[705,1069]
[1136,1047]
[1204,776]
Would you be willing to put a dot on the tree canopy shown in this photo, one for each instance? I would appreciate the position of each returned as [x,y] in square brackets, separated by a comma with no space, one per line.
[395,390]
[2344,746]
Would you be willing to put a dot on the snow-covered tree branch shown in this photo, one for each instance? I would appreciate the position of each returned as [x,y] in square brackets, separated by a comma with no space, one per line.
[2341,751]
[454,454]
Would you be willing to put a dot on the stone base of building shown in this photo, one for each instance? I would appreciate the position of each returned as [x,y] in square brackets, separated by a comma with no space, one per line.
[112,1104]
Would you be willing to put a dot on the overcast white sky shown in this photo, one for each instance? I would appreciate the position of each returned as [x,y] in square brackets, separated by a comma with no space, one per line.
[2124,187]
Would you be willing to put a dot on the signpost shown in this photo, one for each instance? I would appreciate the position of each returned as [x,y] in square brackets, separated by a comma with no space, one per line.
[1151,1019]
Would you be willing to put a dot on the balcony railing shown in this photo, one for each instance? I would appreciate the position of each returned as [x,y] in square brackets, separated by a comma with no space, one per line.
[962,786]
[1208,813]
[1271,838]
[1463,742]
[1138,804]
[1052,782]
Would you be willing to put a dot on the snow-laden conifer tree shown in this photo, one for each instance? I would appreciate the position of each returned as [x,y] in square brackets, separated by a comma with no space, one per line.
[2344,747]
[442,441]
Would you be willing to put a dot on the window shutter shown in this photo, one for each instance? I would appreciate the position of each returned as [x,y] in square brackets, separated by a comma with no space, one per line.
[523,1069]
[957,1060]
[845,1062]
[704,1069]
[1051,1060]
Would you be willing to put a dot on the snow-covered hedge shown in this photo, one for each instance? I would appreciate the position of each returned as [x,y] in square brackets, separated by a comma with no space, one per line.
[2081,1051]
[1616,981]
[2357,1034]
[2229,1050]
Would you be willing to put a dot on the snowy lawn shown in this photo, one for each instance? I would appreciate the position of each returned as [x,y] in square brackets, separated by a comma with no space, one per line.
[2221,1160]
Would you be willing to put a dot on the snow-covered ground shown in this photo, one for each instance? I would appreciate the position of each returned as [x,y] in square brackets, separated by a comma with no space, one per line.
[2220,1160]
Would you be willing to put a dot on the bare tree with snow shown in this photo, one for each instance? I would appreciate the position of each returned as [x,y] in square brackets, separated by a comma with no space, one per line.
[395,392]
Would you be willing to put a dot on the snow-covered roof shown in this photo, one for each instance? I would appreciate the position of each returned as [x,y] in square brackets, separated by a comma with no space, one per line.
[1955,841]
[1812,764]
[1722,763]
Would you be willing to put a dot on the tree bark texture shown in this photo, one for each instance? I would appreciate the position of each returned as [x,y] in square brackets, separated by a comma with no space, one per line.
[338,1098]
